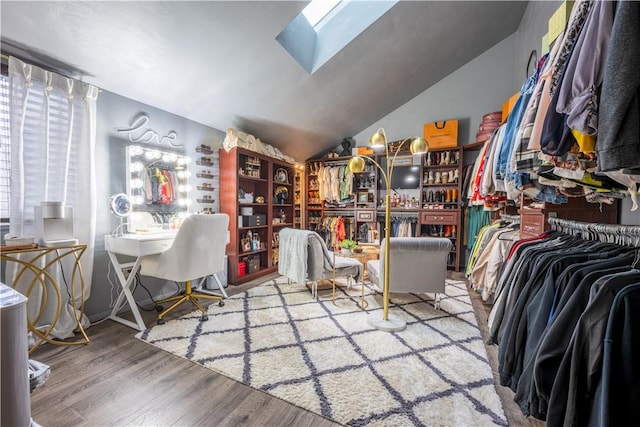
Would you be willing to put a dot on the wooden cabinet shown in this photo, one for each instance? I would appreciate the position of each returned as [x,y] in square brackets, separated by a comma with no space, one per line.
[439,218]
[441,189]
[298,198]
[257,192]
[533,220]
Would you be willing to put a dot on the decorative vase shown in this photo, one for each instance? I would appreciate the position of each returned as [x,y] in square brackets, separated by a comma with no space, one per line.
[347,251]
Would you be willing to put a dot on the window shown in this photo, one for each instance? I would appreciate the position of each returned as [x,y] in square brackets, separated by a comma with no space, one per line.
[316,10]
[5,148]
[325,27]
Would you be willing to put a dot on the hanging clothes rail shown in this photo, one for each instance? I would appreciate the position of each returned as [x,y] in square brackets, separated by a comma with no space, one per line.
[510,218]
[397,214]
[627,235]
[339,213]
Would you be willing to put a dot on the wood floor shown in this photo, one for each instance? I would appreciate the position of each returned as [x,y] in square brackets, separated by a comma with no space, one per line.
[118,380]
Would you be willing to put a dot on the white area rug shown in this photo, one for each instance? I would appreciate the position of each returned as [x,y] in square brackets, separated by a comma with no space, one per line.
[327,359]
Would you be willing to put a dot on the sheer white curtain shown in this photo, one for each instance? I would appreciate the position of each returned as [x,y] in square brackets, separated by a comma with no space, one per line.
[53,132]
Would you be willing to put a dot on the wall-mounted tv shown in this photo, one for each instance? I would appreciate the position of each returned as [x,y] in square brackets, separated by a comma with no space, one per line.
[403,177]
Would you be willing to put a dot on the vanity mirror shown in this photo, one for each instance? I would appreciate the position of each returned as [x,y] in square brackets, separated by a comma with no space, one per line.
[158,183]
[120,205]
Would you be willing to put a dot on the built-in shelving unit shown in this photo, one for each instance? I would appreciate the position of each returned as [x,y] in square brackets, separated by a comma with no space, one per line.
[440,215]
[258,196]
[298,198]
[432,203]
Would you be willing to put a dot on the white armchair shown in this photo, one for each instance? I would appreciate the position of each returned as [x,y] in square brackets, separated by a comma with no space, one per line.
[417,264]
[197,251]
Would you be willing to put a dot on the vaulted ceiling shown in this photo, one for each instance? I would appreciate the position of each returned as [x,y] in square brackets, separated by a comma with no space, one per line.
[218,62]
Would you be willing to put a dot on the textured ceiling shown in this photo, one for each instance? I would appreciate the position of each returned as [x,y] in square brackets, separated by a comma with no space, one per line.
[218,63]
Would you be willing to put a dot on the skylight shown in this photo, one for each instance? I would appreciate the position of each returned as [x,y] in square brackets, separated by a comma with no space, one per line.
[318,9]
[326,26]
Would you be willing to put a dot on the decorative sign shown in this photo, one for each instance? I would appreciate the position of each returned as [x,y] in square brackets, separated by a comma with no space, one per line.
[139,133]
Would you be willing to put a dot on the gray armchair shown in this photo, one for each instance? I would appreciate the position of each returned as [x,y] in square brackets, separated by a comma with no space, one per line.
[304,257]
[417,264]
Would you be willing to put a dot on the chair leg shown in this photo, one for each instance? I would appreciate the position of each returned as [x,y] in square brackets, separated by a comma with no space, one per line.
[189,295]
[437,301]
[223,291]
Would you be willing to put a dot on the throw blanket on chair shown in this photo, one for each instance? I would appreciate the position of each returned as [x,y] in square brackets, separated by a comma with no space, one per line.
[292,261]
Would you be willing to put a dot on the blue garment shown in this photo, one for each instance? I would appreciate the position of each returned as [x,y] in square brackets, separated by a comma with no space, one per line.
[513,123]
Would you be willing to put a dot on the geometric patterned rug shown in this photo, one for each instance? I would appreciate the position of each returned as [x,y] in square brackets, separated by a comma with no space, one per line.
[326,358]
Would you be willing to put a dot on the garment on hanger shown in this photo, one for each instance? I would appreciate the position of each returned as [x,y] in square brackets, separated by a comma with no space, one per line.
[555,295]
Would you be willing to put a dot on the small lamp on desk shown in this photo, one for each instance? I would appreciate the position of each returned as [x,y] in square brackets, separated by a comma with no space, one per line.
[357,164]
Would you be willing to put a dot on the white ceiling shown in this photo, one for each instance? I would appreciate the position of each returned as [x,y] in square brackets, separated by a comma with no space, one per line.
[218,62]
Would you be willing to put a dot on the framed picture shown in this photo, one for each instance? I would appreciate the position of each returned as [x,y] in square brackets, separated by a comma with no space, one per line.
[363,197]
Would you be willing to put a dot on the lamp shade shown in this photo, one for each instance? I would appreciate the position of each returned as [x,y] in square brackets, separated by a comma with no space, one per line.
[356,164]
[419,146]
[378,139]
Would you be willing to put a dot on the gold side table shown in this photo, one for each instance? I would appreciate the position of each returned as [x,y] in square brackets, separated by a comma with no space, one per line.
[363,257]
[48,257]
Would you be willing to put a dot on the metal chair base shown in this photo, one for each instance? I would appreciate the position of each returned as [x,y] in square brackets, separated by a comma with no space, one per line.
[190,296]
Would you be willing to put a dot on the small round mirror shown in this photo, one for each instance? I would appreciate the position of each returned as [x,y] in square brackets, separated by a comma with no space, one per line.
[120,205]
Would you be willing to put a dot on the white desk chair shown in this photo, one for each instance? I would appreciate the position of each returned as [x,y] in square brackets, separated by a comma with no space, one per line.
[197,251]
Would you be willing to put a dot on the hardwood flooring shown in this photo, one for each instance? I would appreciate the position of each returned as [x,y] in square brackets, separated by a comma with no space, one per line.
[118,380]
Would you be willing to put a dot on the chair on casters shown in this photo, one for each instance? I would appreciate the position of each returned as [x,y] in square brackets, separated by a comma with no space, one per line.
[197,251]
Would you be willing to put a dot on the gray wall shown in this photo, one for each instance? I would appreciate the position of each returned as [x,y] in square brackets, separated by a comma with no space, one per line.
[477,88]
[534,25]
[116,112]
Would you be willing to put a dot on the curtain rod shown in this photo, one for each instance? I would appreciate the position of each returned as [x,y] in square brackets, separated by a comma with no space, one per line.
[5,57]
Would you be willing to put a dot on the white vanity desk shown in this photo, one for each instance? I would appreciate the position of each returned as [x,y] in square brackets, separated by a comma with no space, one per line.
[137,245]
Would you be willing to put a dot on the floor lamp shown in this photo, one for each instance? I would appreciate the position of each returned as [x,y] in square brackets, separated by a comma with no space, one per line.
[357,164]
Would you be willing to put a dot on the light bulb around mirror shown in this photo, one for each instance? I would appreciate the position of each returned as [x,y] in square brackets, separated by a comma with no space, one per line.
[136,167]
[169,157]
[138,200]
[152,154]
[136,183]
[134,150]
